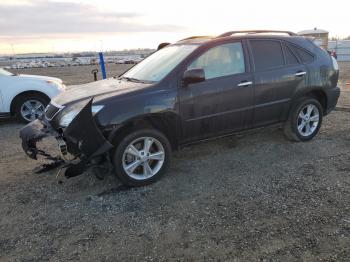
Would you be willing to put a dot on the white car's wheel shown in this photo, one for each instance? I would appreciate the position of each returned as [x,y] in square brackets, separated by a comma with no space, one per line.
[30,107]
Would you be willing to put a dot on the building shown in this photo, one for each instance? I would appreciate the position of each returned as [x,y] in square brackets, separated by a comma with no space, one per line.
[320,36]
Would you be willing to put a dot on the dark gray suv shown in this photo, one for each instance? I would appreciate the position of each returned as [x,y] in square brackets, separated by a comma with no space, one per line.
[195,89]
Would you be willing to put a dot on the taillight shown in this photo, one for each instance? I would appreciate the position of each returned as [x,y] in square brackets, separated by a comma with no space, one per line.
[335,63]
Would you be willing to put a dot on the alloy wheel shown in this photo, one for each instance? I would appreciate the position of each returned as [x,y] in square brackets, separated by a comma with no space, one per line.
[143,158]
[32,109]
[308,120]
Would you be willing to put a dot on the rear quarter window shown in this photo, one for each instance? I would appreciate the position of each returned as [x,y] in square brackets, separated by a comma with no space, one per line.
[304,56]
[267,54]
[291,58]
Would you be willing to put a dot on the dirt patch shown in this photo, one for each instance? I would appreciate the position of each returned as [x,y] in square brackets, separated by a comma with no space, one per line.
[344,83]
[73,75]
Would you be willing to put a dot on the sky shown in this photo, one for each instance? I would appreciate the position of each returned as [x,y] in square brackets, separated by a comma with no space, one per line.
[28,26]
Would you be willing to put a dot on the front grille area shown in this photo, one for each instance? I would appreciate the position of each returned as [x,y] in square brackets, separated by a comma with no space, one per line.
[51,111]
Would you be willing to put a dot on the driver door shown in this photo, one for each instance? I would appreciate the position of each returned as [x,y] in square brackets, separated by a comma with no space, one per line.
[223,102]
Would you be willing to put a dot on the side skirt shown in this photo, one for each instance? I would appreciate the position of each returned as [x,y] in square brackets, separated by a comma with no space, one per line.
[245,131]
[5,115]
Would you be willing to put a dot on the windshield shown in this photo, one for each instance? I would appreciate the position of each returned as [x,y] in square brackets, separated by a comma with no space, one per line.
[3,72]
[155,67]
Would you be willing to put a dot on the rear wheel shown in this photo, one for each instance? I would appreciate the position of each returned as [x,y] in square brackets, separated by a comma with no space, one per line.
[304,120]
[142,157]
[30,107]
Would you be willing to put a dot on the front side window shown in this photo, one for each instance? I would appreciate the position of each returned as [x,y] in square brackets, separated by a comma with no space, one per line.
[221,60]
[267,54]
[155,67]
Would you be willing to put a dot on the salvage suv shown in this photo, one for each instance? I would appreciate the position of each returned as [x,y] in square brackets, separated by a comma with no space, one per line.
[194,89]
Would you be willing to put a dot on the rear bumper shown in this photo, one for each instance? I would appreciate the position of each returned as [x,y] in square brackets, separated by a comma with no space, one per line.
[332,99]
[82,138]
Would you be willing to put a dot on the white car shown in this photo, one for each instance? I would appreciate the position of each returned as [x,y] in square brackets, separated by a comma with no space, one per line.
[26,96]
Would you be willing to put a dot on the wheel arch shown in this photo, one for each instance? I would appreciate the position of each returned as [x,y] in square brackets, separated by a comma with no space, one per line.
[166,123]
[22,94]
[317,93]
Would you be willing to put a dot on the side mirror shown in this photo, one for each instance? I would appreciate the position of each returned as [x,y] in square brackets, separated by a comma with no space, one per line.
[195,75]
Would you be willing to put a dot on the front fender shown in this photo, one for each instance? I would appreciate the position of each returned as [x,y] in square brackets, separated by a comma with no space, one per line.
[16,88]
[166,122]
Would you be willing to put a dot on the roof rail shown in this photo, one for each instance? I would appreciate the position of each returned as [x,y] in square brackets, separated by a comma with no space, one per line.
[194,37]
[256,32]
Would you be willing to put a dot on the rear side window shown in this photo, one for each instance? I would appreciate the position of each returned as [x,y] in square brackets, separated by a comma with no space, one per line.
[267,54]
[223,60]
[291,59]
[303,55]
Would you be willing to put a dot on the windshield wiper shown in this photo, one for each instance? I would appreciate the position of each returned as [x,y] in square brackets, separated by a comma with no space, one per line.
[131,79]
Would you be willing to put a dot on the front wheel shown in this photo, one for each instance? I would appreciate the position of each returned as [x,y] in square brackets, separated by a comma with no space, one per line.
[142,157]
[30,107]
[304,120]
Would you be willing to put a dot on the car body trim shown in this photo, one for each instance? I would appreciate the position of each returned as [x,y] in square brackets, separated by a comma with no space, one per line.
[240,109]
[245,83]
[60,108]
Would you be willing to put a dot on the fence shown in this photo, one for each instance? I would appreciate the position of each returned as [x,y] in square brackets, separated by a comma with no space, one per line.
[341,47]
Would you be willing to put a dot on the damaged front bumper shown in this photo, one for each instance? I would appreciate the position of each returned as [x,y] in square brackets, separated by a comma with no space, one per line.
[81,137]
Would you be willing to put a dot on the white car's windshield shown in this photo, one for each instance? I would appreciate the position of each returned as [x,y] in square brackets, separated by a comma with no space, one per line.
[155,67]
[3,72]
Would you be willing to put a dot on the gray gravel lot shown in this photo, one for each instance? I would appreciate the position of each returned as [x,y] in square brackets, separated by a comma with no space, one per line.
[249,197]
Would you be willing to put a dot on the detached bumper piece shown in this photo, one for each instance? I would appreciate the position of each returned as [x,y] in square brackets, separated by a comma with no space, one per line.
[33,133]
[82,137]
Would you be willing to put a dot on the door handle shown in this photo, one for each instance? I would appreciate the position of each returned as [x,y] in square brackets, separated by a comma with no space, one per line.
[245,83]
[301,73]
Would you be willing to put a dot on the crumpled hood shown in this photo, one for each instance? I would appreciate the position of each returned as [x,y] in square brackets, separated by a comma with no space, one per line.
[48,78]
[98,89]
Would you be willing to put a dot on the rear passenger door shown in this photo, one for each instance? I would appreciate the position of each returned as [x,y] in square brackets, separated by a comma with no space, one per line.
[277,74]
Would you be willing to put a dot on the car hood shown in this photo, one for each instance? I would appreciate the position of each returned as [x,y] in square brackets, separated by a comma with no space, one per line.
[47,78]
[99,90]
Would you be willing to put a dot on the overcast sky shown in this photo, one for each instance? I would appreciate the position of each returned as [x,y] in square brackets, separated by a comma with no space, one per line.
[68,25]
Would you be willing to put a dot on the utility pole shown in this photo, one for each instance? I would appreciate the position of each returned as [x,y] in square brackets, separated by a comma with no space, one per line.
[102,62]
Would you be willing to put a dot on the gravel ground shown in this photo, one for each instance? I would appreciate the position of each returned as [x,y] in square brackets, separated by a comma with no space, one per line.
[249,197]
[344,83]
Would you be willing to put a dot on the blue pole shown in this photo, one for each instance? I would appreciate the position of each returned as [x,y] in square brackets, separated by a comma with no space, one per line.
[102,63]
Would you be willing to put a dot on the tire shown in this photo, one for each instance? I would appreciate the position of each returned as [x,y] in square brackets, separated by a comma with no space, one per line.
[299,116]
[125,156]
[30,99]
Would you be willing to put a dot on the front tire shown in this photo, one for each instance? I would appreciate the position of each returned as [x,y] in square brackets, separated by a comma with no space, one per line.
[305,119]
[142,157]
